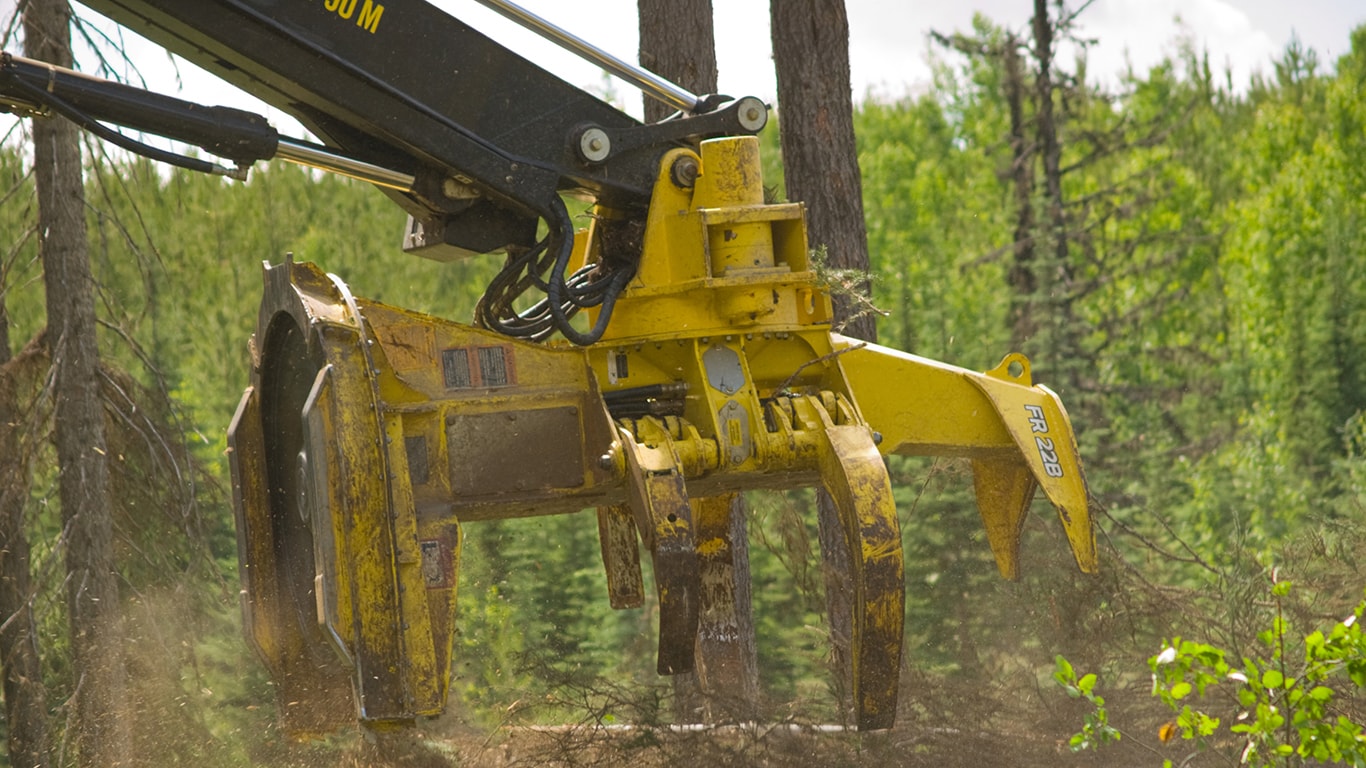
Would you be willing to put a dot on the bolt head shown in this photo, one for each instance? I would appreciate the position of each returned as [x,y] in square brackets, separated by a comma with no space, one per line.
[594,145]
[684,171]
[753,114]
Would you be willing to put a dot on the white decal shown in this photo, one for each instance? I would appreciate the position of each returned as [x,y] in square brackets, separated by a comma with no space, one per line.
[1037,422]
[1047,452]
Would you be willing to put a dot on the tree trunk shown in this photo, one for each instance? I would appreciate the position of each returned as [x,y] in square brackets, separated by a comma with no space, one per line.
[820,161]
[25,696]
[102,736]
[1022,278]
[816,118]
[1048,129]
[678,43]
[1060,347]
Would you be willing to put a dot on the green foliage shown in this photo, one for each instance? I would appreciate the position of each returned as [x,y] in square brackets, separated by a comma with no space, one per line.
[788,601]
[934,208]
[1096,730]
[1279,703]
[489,654]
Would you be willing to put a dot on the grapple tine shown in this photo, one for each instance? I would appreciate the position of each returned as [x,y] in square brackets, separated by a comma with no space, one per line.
[1038,424]
[854,474]
[659,499]
[1004,489]
[1016,432]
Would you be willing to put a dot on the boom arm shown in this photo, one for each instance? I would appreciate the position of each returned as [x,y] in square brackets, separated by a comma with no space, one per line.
[479,141]
[407,86]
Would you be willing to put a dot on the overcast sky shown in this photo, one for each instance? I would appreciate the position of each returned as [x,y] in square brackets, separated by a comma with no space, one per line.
[888,50]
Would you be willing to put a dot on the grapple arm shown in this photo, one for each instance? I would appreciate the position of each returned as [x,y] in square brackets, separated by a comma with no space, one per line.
[1017,435]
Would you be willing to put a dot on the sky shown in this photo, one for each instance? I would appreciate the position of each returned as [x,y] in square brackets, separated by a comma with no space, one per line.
[1244,34]
[889,48]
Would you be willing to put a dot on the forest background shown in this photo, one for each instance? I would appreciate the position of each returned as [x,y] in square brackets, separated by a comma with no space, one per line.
[1194,288]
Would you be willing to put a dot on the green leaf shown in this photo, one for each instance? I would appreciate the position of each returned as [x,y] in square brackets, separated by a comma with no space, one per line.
[1272,678]
[1181,690]
[1086,683]
[1062,670]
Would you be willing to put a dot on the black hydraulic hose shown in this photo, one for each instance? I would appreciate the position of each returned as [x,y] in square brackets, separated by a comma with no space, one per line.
[590,286]
[561,227]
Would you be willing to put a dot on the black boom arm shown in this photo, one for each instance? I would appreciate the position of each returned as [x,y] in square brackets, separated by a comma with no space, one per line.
[473,140]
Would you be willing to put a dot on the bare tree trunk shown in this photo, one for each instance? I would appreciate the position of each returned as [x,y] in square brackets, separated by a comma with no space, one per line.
[724,684]
[102,735]
[1060,347]
[1022,277]
[820,160]
[25,696]
[1048,129]
[677,42]
[816,118]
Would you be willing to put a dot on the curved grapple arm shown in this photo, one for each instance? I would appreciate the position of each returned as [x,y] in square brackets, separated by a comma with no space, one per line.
[1017,435]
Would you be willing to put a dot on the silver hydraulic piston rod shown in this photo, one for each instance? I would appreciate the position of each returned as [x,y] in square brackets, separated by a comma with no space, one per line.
[647,81]
[314,156]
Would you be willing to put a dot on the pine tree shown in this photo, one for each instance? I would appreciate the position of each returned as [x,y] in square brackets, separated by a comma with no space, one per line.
[94,610]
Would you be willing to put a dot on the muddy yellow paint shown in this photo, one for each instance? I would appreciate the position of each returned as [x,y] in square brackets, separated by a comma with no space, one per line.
[719,373]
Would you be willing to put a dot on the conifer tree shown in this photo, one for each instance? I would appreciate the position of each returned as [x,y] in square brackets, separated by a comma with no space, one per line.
[94,611]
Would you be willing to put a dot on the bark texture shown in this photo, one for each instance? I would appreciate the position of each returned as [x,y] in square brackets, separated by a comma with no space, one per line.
[1022,277]
[677,42]
[1044,34]
[820,161]
[724,685]
[102,735]
[816,121]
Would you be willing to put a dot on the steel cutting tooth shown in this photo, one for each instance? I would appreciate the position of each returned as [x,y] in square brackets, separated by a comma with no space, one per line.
[676,579]
[659,500]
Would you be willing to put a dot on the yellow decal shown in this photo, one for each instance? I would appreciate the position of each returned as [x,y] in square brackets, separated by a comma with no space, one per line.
[368,19]
[369,16]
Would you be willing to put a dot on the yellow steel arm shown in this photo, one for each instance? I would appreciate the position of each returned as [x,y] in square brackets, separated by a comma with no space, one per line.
[1018,436]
